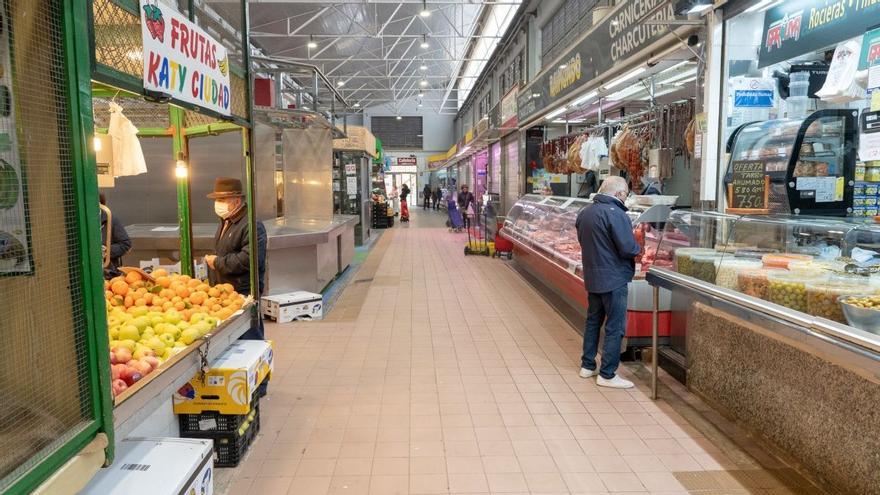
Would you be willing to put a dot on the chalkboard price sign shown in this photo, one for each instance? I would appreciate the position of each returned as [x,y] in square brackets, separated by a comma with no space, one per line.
[749,187]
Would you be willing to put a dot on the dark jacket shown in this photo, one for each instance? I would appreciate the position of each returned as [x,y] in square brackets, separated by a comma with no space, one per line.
[120,244]
[426,192]
[233,254]
[465,199]
[436,194]
[404,192]
[608,246]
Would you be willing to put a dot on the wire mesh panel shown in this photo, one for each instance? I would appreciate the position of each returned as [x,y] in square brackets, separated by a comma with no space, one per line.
[118,42]
[45,389]
[141,113]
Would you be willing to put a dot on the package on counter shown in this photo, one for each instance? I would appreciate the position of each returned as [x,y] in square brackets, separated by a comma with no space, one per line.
[157,466]
[299,305]
[228,386]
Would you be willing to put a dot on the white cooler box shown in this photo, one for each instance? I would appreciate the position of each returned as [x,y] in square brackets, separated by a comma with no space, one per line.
[157,466]
[299,305]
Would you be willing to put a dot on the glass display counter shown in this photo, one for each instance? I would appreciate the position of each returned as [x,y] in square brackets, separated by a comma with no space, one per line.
[546,247]
[821,275]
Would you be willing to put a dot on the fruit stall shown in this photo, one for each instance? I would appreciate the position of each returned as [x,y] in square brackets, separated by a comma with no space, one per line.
[113,74]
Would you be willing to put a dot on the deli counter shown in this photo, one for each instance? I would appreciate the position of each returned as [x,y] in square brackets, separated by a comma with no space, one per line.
[776,325]
[546,249]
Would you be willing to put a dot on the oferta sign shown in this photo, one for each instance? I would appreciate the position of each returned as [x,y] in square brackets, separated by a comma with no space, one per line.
[796,27]
[618,36]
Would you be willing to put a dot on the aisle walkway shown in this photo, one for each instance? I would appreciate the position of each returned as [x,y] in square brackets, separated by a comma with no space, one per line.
[437,373]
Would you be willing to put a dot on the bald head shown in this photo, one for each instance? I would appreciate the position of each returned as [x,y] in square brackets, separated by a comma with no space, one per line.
[616,187]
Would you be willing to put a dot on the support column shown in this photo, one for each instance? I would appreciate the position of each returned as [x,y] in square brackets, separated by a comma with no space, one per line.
[182,171]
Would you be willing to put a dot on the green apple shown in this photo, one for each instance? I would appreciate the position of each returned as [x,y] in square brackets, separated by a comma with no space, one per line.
[210,320]
[129,332]
[173,317]
[127,343]
[114,332]
[197,317]
[141,323]
[157,345]
[156,319]
[168,339]
[189,335]
[139,311]
[113,321]
[183,325]
[147,333]
[141,351]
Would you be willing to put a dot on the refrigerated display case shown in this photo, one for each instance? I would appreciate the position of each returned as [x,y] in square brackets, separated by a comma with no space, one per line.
[542,229]
[811,162]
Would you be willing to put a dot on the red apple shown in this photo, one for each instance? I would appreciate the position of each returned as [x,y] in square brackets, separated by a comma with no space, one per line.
[113,356]
[119,386]
[123,355]
[136,376]
[153,361]
[140,366]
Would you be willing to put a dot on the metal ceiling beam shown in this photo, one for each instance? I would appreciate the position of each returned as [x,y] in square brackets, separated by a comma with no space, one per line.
[416,76]
[397,39]
[391,18]
[309,21]
[392,2]
[286,20]
[316,36]
[354,58]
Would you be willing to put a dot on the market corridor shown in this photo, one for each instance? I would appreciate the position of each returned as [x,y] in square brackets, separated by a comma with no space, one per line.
[439,373]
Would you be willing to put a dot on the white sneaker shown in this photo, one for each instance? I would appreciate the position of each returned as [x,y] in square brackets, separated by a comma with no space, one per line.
[585,373]
[616,382]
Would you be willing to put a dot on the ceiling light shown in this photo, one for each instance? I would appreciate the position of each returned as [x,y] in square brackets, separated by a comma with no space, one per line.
[583,99]
[696,9]
[625,92]
[682,7]
[659,93]
[682,83]
[340,83]
[563,66]
[312,43]
[399,117]
[424,43]
[425,12]
[554,113]
[680,76]
[423,67]
[420,104]
[423,82]
[421,95]
[673,67]
[624,78]
[356,105]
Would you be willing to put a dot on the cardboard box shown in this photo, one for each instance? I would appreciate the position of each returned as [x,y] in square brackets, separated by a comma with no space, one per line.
[157,466]
[201,269]
[228,386]
[299,305]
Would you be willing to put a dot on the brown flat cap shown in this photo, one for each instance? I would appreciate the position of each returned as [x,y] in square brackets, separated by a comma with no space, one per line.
[226,187]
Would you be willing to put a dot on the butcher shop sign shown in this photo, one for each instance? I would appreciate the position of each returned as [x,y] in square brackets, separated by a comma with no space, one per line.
[183,61]
[621,34]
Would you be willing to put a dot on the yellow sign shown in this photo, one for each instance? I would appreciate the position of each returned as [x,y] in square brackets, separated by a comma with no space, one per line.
[566,75]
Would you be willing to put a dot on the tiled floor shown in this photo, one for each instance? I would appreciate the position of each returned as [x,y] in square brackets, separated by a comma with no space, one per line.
[440,373]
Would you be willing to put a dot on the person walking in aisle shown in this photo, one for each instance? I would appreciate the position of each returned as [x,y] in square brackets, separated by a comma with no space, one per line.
[466,205]
[608,251]
[231,260]
[435,196]
[426,194]
[404,208]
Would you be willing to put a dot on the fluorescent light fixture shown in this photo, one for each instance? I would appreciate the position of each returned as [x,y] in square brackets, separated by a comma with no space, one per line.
[399,117]
[312,43]
[659,93]
[423,67]
[625,93]
[425,12]
[682,83]
[356,105]
[624,78]
[583,99]
[424,43]
[673,67]
[683,75]
[423,83]
[536,95]
[762,6]
[576,121]
[696,9]
[340,83]
[557,112]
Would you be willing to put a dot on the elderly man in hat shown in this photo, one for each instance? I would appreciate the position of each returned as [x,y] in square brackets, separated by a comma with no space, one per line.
[230,262]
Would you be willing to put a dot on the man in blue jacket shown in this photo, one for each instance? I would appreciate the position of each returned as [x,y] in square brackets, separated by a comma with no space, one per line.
[608,250]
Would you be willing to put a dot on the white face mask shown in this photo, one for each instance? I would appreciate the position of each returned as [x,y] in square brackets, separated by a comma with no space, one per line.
[221,208]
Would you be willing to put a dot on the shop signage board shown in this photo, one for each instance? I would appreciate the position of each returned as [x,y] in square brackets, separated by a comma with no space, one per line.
[407,160]
[508,108]
[870,49]
[619,35]
[753,92]
[796,27]
[182,60]
[350,169]
[749,188]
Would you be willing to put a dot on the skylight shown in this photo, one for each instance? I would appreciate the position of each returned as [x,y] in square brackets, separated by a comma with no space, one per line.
[498,20]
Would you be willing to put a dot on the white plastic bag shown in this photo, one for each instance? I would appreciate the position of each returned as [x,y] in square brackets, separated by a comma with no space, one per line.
[841,85]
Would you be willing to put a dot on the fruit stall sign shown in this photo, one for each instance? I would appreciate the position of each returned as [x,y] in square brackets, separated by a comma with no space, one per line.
[182,60]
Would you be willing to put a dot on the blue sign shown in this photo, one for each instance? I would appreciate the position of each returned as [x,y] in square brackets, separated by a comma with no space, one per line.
[753,98]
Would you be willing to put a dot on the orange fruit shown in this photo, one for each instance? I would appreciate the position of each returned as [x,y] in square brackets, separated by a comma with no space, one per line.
[159,301]
[176,299]
[216,308]
[108,294]
[167,305]
[132,277]
[186,314]
[148,298]
[119,287]
[129,301]
[140,302]
[161,272]
[179,306]
[106,285]
[184,278]
[198,297]
[163,281]
[141,292]
[183,292]
[192,284]
[166,293]
[203,287]
[214,292]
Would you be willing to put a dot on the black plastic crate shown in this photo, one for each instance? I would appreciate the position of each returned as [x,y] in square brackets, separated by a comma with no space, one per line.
[214,422]
[230,447]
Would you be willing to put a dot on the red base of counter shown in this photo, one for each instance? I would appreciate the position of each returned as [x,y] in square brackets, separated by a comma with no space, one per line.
[639,324]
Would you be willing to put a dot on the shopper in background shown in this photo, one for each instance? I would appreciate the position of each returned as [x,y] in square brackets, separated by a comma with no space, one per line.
[230,262]
[395,200]
[435,196]
[120,243]
[466,205]
[608,252]
[404,207]
[426,194]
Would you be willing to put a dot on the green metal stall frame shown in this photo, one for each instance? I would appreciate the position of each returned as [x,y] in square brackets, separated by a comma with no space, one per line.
[86,78]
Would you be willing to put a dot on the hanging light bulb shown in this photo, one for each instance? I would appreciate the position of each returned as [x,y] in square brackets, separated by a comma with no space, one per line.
[423,67]
[340,83]
[424,43]
[180,170]
[96,143]
[399,117]
[421,95]
[425,12]
[312,43]
[357,105]
[423,82]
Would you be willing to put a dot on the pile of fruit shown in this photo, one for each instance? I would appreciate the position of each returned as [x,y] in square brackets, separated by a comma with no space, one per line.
[151,320]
